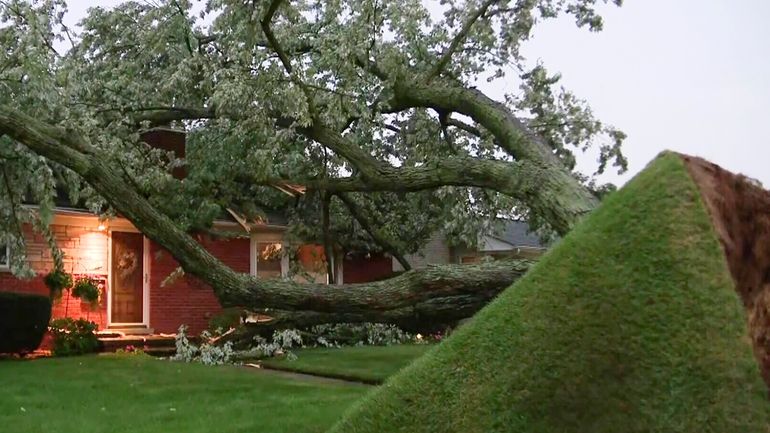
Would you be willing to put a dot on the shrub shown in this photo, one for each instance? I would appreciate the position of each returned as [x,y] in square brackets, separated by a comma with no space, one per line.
[228,318]
[206,353]
[87,289]
[57,281]
[23,321]
[74,337]
[131,350]
[359,334]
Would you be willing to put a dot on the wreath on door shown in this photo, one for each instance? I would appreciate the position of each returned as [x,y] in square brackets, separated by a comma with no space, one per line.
[127,264]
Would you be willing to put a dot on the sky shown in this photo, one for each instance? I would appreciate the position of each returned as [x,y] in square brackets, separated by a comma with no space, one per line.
[687,75]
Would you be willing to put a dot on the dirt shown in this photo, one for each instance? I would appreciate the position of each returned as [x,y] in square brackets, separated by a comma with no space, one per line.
[740,210]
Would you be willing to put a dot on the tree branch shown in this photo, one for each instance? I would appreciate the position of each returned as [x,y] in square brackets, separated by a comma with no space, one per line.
[389,245]
[459,39]
[271,39]
[327,238]
[559,197]
[464,126]
[537,177]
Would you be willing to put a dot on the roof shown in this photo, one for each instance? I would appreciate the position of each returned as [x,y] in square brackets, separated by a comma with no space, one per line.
[267,218]
[514,235]
[518,234]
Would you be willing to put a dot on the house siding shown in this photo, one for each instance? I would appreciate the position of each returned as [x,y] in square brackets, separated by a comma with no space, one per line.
[85,253]
[436,251]
[362,269]
[187,300]
[468,255]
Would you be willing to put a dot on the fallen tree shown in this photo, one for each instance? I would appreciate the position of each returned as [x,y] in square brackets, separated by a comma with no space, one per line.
[318,95]
[437,294]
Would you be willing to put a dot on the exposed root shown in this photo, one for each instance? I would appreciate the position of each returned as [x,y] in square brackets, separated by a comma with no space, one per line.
[740,211]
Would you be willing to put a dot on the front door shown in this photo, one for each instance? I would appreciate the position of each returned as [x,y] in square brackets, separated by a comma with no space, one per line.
[127,291]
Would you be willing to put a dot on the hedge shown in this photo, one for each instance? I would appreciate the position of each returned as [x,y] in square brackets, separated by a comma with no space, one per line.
[23,321]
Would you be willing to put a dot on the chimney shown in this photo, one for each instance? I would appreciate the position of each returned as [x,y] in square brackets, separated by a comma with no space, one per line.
[171,140]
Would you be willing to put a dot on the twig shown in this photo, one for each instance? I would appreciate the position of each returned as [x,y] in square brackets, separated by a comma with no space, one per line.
[459,39]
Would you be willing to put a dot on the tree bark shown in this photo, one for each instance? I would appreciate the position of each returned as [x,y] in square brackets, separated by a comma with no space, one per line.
[437,294]
[542,183]
[327,238]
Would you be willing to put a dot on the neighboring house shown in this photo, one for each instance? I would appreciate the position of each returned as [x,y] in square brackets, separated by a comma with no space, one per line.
[515,241]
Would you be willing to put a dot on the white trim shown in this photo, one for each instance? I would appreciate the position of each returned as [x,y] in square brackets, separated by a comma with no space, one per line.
[145,282]
[284,263]
[253,256]
[84,218]
[109,278]
[339,268]
[271,237]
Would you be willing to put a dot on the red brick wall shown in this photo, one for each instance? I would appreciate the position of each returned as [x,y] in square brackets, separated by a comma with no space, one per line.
[85,253]
[184,301]
[187,300]
[359,269]
[168,140]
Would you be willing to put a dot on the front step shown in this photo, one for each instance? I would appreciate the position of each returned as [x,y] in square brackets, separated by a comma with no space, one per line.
[128,330]
[159,345]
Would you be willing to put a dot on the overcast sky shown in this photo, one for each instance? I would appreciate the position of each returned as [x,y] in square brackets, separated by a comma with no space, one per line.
[687,75]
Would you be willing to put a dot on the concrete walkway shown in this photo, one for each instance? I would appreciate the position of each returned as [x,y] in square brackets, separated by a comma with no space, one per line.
[302,376]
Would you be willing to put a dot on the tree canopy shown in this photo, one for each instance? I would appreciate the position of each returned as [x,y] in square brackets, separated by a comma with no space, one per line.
[374,100]
[372,107]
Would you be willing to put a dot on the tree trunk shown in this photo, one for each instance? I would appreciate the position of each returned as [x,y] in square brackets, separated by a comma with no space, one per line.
[543,182]
[417,299]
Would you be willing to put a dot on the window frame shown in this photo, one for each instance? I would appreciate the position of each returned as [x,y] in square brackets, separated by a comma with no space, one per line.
[256,260]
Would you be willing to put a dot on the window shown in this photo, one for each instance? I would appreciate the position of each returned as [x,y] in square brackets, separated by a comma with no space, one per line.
[269,256]
[311,264]
[5,256]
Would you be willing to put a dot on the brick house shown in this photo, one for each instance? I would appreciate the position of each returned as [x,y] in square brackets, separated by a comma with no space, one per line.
[139,296]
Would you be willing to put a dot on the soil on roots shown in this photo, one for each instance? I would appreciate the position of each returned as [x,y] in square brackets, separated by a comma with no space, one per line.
[740,210]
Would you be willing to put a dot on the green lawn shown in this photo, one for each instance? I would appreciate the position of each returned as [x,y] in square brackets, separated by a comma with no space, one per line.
[370,364]
[142,394]
[629,324]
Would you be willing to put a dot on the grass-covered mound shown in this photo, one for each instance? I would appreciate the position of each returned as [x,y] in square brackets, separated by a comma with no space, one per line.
[630,324]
